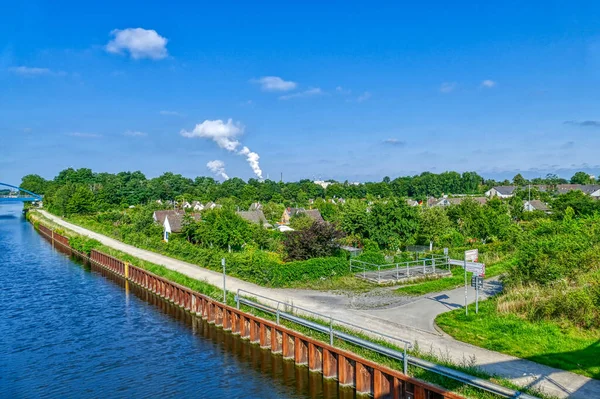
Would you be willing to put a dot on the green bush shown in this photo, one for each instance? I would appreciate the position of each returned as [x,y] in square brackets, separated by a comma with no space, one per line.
[84,244]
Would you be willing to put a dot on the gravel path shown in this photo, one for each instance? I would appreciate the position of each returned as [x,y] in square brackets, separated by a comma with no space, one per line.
[402,317]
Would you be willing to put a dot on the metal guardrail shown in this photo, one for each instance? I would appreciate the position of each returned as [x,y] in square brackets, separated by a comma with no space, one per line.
[403,356]
[401,269]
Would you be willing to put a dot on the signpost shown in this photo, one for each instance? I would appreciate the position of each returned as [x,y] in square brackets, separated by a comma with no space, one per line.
[471,255]
[477,283]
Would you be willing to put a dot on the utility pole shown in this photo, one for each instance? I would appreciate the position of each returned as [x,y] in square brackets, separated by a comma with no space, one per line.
[224,287]
[466,292]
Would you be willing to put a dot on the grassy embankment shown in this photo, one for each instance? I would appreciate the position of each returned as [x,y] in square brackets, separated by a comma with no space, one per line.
[549,311]
[546,342]
[216,293]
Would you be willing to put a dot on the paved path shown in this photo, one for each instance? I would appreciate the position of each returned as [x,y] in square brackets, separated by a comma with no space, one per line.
[412,321]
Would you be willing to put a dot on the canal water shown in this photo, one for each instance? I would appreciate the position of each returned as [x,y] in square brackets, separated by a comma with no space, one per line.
[69,330]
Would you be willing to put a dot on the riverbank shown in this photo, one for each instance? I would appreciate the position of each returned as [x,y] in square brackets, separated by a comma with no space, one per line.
[518,371]
[334,362]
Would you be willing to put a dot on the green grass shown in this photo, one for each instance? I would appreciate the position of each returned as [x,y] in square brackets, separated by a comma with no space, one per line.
[216,293]
[564,347]
[456,280]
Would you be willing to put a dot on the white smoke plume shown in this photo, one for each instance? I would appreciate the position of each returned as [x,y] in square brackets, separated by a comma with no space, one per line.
[224,134]
[218,168]
[252,159]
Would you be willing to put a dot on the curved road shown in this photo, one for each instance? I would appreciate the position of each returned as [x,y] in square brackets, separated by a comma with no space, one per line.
[413,321]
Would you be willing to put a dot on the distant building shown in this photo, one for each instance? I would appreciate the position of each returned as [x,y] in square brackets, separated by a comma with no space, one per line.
[256,217]
[255,206]
[186,205]
[211,205]
[171,221]
[501,192]
[411,202]
[197,206]
[535,205]
[322,183]
[288,213]
[459,200]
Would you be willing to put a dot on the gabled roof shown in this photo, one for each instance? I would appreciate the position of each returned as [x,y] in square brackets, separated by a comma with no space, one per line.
[255,206]
[176,220]
[160,216]
[314,214]
[590,188]
[257,217]
[538,205]
[505,190]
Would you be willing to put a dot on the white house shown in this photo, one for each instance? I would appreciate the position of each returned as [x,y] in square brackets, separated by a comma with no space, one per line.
[197,206]
[186,205]
[173,223]
[501,192]
[535,205]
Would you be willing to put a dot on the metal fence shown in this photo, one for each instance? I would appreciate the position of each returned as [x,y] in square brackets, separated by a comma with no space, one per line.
[330,326]
[399,270]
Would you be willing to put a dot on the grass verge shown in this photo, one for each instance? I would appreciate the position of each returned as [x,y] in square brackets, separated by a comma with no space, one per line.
[467,366]
[456,280]
[564,347]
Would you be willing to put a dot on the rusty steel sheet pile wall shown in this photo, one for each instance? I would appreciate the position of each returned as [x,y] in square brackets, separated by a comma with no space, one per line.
[347,368]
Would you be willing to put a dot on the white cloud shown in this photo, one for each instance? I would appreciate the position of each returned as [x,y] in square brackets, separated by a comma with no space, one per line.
[363,97]
[225,135]
[32,71]
[341,90]
[488,83]
[140,43]
[274,83]
[170,113]
[221,133]
[134,133]
[447,87]
[84,135]
[313,91]
[218,168]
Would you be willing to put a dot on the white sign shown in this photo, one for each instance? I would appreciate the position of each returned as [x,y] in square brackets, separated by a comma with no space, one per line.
[472,255]
[446,251]
[476,268]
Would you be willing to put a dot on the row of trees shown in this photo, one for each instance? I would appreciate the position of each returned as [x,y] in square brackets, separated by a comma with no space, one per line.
[133,188]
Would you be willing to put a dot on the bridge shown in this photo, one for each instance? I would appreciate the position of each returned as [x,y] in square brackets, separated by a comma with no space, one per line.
[10,193]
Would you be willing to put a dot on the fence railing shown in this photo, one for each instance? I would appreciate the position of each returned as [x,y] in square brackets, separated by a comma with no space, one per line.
[398,270]
[264,332]
[402,356]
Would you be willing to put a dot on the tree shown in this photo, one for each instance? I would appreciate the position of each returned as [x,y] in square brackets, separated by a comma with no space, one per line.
[581,178]
[433,224]
[273,211]
[319,240]
[392,222]
[355,219]
[81,201]
[519,180]
[34,183]
[301,221]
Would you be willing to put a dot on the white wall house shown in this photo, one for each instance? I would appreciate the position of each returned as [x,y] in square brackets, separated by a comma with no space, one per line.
[501,192]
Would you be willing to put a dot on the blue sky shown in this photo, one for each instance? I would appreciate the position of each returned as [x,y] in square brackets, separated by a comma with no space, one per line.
[343,90]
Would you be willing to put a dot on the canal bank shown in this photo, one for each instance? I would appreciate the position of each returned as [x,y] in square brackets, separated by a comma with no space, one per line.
[437,377]
[349,369]
[70,330]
